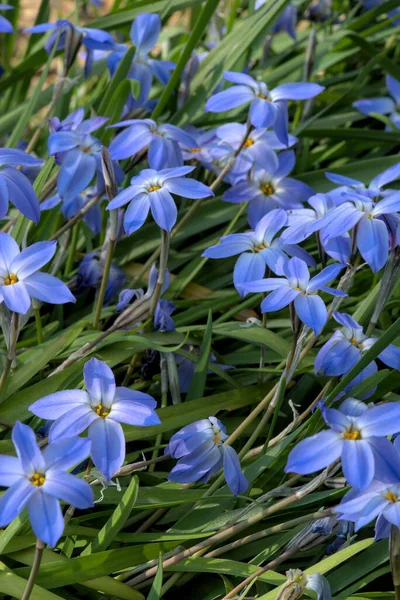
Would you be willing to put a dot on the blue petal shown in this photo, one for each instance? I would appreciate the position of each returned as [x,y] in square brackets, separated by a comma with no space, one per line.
[338,358]
[68,488]
[9,249]
[336,419]
[387,176]
[387,460]
[249,267]
[145,31]
[234,477]
[382,106]
[108,446]
[240,79]
[46,518]
[287,161]
[315,453]
[296,91]
[230,245]
[18,158]
[325,276]
[392,513]
[10,470]
[13,501]
[129,142]
[228,99]
[48,288]
[64,454]
[33,258]
[358,462]
[99,381]
[27,449]
[373,242]
[72,422]
[390,204]
[343,180]
[281,124]
[16,297]
[134,408]
[21,193]
[136,213]
[55,405]
[279,298]
[393,87]
[380,420]
[262,113]
[163,208]
[62,141]
[297,273]
[391,357]
[77,171]
[188,188]
[311,310]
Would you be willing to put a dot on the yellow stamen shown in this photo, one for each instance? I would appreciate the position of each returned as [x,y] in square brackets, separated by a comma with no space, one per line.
[154,188]
[352,435]
[249,142]
[217,439]
[11,279]
[38,479]
[267,189]
[101,411]
[258,248]
[195,150]
[391,497]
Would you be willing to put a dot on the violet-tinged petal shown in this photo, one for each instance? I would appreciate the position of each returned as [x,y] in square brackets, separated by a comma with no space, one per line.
[57,404]
[27,449]
[373,242]
[279,298]
[16,297]
[136,213]
[382,106]
[311,310]
[64,454]
[14,500]
[72,423]
[68,488]
[296,91]
[315,453]
[230,98]
[46,517]
[163,208]
[358,462]
[108,446]
[48,288]
[99,381]
[32,258]
[234,477]
[249,267]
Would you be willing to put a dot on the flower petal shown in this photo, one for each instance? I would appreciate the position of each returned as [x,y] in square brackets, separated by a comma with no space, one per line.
[136,213]
[48,288]
[315,453]
[14,500]
[9,249]
[373,242]
[231,98]
[46,518]
[311,310]
[64,454]
[249,267]
[358,462]
[10,470]
[57,404]
[99,381]
[234,477]
[279,298]
[68,488]
[108,446]
[16,297]
[163,208]
[27,449]
[380,420]
[72,423]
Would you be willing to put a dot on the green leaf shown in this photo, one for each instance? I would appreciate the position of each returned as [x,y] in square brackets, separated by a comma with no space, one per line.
[119,77]
[117,520]
[198,383]
[155,591]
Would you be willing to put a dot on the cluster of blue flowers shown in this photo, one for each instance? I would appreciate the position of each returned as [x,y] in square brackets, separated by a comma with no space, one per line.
[254,160]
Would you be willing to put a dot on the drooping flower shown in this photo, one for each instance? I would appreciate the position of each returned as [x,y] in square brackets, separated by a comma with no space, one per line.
[21,280]
[319,10]
[286,21]
[338,248]
[151,190]
[92,39]
[359,440]
[70,206]
[269,187]
[345,348]
[90,273]
[369,221]
[258,249]
[5,25]
[40,480]
[383,106]
[101,409]
[79,154]
[297,582]
[163,141]
[15,187]
[268,108]
[297,287]
[144,33]
[201,453]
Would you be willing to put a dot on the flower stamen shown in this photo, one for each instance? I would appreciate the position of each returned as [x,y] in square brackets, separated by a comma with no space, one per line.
[154,188]
[38,479]
[267,189]
[101,411]
[11,279]
[391,497]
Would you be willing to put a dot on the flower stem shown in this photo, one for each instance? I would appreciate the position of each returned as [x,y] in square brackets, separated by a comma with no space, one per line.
[388,284]
[164,249]
[35,569]
[38,321]
[11,349]
[72,250]
[394,556]
[104,281]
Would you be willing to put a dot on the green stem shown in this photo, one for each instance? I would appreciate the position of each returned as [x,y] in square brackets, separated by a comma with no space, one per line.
[38,321]
[72,250]
[104,281]
[232,16]
[11,349]
[35,569]
[164,399]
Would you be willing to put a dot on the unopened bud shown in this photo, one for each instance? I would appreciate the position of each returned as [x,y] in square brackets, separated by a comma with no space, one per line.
[73,41]
[107,167]
[294,588]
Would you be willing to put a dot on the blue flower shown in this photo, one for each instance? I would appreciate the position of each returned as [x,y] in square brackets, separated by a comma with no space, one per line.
[163,141]
[75,122]
[297,287]
[200,152]
[268,107]
[270,187]
[5,25]
[338,248]
[372,233]
[201,453]
[21,280]
[78,152]
[92,39]
[15,187]
[359,440]
[152,189]
[258,249]
[319,11]
[40,480]
[102,409]
[259,143]
[90,272]
[144,34]
[345,348]
[385,105]
[71,206]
